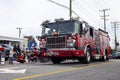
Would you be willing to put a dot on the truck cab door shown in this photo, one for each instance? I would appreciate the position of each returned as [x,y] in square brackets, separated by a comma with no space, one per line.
[90,36]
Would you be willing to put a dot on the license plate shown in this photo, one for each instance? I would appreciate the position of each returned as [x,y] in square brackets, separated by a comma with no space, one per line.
[52,53]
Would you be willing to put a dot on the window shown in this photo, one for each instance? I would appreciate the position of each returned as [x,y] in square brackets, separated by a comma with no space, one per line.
[76,27]
[64,27]
[91,32]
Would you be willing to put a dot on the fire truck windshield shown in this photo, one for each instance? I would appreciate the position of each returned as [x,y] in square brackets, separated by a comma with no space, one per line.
[64,27]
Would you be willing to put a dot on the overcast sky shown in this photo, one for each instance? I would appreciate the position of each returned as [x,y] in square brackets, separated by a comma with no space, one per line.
[29,14]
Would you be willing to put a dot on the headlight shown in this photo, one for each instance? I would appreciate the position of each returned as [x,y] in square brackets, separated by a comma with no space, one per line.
[70,42]
[42,43]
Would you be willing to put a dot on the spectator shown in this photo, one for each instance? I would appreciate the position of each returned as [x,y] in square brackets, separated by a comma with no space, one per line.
[24,49]
[18,49]
[29,56]
[14,48]
[21,58]
[35,53]
[32,56]
[11,56]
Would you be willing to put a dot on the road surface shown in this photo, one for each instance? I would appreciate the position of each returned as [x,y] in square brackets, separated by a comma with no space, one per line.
[109,70]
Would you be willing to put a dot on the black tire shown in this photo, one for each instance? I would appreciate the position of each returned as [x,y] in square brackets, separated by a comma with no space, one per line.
[87,57]
[56,61]
[105,58]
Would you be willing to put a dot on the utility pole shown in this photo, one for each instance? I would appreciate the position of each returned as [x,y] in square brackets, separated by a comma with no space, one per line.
[104,16]
[19,30]
[70,9]
[115,25]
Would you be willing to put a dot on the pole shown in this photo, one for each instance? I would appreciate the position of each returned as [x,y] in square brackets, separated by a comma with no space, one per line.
[104,16]
[115,36]
[19,30]
[115,26]
[65,7]
[104,20]
[70,9]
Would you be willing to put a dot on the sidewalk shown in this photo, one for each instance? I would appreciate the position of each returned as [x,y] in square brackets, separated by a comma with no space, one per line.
[16,63]
[7,63]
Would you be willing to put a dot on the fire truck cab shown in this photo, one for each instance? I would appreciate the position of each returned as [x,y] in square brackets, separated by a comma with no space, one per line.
[73,39]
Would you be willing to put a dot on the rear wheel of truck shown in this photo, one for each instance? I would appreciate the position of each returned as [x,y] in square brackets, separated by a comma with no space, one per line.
[56,60]
[105,57]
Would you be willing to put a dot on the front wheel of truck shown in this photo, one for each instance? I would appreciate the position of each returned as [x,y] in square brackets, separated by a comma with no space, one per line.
[87,57]
[56,60]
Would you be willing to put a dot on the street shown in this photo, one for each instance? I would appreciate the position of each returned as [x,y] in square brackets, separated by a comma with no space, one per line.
[108,70]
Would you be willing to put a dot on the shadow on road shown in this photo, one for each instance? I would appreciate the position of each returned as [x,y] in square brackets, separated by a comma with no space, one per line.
[70,63]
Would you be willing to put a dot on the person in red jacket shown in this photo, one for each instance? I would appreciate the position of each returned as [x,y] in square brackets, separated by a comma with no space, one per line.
[21,58]
[35,54]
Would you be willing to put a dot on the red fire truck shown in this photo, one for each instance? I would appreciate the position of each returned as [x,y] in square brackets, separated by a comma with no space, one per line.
[73,39]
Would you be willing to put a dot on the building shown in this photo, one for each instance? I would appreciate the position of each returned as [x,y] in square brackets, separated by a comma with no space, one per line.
[12,41]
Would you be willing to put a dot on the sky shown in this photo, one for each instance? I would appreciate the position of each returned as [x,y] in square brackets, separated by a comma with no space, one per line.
[29,14]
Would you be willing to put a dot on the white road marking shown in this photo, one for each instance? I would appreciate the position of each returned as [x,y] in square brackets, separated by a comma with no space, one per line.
[8,70]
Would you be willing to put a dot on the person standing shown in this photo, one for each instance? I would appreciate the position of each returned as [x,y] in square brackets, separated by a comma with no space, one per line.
[11,56]
[18,49]
[29,56]
[24,49]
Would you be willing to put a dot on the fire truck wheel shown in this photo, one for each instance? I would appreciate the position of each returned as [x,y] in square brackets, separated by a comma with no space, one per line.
[56,61]
[87,58]
[104,58]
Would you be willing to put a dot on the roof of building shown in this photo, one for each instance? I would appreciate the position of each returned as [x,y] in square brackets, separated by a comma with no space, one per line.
[12,38]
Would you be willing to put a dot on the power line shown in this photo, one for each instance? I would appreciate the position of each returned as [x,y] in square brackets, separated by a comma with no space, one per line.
[89,16]
[65,7]
[98,3]
[84,12]
[80,9]
[78,3]
[104,2]
[91,7]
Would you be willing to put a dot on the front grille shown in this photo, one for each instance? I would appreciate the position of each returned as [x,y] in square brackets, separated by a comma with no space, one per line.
[56,42]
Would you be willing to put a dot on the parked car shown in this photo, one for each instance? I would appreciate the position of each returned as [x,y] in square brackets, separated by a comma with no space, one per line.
[117,55]
[6,50]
